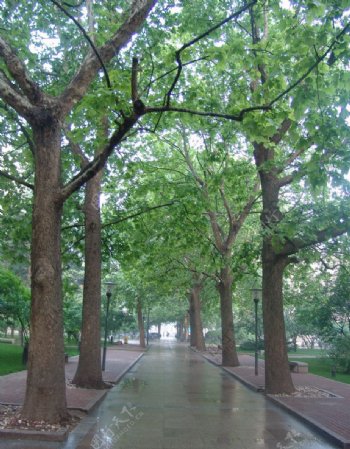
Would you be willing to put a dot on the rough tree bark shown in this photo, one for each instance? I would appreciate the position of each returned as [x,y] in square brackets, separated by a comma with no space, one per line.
[45,398]
[278,378]
[192,322]
[89,372]
[224,286]
[46,390]
[223,243]
[185,327]
[196,325]
[141,324]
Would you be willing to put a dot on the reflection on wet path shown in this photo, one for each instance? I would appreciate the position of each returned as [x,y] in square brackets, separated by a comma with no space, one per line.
[174,399]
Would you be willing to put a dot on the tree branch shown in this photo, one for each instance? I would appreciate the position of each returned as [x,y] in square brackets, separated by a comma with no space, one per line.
[240,116]
[152,81]
[16,118]
[197,39]
[281,132]
[312,67]
[17,69]
[295,245]
[236,224]
[91,65]
[16,179]
[291,159]
[217,231]
[194,271]
[134,87]
[99,161]
[13,98]
[120,220]
[136,214]
[234,117]
[188,161]
[286,180]
[87,37]
[226,205]
[76,149]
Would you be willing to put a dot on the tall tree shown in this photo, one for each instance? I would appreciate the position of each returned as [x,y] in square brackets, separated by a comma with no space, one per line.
[275,174]
[196,325]
[45,395]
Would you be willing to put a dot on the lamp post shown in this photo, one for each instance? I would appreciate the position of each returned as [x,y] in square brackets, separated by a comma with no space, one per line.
[108,294]
[256,293]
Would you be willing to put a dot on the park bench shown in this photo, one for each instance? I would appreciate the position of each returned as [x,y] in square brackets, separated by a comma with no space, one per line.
[298,367]
[11,341]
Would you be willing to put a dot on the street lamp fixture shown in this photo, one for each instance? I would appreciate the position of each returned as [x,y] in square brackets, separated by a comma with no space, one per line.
[256,294]
[108,295]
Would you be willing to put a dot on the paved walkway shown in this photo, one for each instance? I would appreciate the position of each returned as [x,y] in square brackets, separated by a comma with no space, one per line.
[13,386]
[329,415]
[172,398]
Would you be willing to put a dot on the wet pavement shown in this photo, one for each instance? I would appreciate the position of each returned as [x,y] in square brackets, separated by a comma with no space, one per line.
[328,412]
[173,398]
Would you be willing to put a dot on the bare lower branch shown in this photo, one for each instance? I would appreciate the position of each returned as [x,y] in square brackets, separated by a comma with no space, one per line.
[16,179]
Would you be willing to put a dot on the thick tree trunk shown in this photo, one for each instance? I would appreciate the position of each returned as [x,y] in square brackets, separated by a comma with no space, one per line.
[193,336]
[180,330]
[197,338]
[229,351]
[278,378]
[141,324]
[46,388]
[185,327]
[89,372]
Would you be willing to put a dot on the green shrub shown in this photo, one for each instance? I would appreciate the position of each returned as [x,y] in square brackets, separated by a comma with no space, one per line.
[339,352]
[213,336]
[249,345]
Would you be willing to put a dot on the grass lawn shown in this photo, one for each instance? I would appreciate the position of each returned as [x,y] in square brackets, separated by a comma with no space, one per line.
[10,358]
[71,349]
[305,351]
[322,367]
[318,363]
